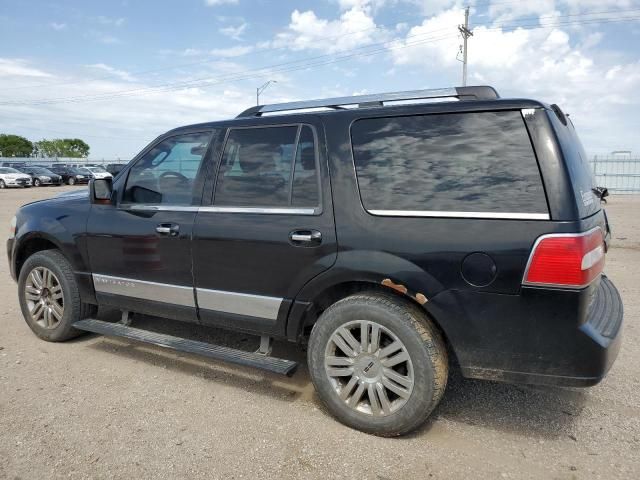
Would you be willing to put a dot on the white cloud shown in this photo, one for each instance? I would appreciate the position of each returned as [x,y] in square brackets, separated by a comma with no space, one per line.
[58,26]
[16,67]
[213,3]
[307,31]
[234,32]
[231,52]
[545,64]
[104,38]
[108,21]
[121,74]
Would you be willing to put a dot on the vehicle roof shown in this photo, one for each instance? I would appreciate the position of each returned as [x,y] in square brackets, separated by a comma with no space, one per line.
[376,111]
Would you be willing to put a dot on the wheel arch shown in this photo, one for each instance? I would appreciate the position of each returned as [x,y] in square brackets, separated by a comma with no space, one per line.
[30,244]
[301,322]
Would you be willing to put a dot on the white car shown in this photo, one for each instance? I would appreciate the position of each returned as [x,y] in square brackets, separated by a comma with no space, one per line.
[99,172]
[10,177]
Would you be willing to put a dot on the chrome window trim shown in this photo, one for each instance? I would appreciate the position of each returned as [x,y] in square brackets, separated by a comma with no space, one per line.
[131,287]
[262,210]
[248,304]
[452,214]
[212,209]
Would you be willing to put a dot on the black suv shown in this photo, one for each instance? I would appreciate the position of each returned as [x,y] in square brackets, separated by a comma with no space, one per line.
[70,175]
[396,240]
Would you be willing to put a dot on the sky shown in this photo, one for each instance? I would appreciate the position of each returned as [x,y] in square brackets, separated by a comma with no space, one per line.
[119,73]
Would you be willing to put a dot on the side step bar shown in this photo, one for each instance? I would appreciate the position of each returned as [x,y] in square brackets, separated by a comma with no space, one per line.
[231,355]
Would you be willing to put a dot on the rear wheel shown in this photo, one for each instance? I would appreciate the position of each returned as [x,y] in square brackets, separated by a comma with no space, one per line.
[49,296]
[377,363]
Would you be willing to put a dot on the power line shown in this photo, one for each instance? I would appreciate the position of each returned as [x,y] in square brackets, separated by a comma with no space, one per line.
[297,65]
[260,50]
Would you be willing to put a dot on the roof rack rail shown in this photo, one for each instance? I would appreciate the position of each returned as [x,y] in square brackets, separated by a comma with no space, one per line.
[377,100]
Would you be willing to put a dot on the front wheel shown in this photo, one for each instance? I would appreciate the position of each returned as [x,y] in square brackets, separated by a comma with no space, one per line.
[36,183]
[2,184]
[377,363]
[71,181]
[49,297]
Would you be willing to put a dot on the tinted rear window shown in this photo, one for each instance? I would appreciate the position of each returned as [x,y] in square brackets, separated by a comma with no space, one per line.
[459,162]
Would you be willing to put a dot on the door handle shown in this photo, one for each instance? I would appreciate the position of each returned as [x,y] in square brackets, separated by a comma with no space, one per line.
[170,229]
[305,236]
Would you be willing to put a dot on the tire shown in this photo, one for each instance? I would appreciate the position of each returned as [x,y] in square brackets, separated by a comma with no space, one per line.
[36,182]
[73,309]
[2,184]
[422,378]
[71,181]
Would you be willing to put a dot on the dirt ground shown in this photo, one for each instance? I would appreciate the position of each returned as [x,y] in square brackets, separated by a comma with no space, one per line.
[105,408]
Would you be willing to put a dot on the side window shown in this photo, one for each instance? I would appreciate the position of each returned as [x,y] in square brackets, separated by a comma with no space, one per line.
[258,168]
[166,174]
[459,162]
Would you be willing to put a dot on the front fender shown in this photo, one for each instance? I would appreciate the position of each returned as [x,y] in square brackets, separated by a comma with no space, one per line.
[60,222]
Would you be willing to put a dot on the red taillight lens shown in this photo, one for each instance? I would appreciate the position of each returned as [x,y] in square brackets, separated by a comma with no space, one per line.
[566,260]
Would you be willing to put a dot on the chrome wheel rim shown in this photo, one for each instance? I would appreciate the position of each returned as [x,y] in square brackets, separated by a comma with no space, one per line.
[44,297]
[369,368]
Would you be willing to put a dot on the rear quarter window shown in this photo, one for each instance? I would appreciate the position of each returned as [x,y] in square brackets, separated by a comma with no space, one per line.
[451,163]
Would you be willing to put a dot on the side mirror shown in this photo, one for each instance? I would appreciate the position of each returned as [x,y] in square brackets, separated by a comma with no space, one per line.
[100,190]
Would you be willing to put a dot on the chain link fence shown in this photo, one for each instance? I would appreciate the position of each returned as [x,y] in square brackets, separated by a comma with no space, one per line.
[620,175]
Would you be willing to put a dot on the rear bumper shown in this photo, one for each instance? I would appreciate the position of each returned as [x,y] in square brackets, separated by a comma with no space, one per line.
[564,338]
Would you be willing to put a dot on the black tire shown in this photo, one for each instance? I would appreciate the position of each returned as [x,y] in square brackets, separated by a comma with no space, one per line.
[71,181]
[424,346]
[2,184]
[74,308]
[36,182]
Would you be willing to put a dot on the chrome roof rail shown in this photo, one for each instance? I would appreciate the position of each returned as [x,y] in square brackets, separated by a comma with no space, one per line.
[377,100]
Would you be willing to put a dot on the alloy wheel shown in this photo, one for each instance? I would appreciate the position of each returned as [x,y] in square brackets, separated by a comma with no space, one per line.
[44,297]
[369,368]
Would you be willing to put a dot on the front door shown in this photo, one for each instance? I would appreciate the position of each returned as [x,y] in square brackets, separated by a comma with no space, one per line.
[140,248]
[269,228]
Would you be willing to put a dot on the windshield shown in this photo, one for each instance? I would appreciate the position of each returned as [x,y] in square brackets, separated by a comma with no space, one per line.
[97,169]
[8,170]
[84,171]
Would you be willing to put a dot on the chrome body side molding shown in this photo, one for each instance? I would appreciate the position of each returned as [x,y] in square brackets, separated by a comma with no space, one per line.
[157,292]
[239,303]
[247,304]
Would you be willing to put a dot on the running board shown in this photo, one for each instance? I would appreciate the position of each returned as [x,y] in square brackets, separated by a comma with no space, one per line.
[231,355]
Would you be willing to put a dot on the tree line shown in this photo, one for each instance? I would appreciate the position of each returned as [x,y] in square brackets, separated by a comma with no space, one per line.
[17,146]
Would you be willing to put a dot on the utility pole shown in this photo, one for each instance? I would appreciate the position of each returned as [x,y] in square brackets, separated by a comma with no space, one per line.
[261,89]
[466,33]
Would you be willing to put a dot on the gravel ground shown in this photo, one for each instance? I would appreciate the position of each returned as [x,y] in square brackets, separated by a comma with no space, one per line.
[105,408]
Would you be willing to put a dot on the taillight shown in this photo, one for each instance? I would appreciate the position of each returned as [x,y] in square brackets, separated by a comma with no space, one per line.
[566,259]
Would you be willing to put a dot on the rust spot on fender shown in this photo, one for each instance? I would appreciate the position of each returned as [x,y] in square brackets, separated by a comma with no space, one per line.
[396,286]
[421,299]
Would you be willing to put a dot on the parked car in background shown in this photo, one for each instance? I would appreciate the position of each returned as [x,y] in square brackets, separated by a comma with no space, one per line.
[70,175]
[10,177]
[99,172]
[41,176]
[115,168]
[14,164]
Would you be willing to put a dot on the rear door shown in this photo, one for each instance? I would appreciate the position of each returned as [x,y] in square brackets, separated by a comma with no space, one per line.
[269,227]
